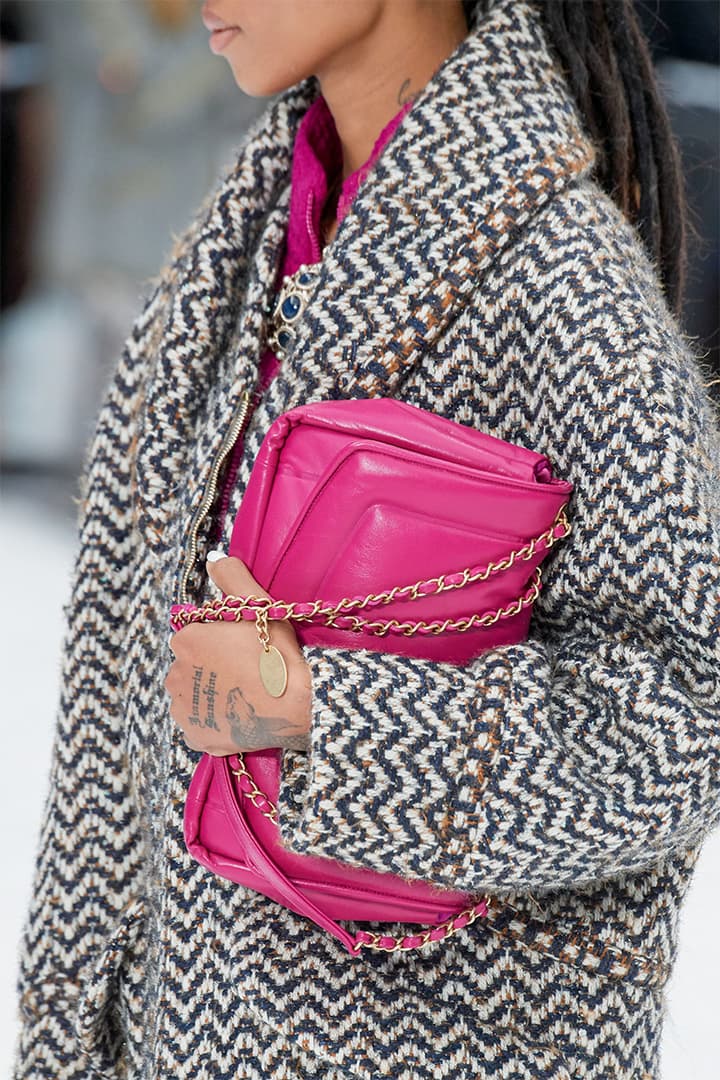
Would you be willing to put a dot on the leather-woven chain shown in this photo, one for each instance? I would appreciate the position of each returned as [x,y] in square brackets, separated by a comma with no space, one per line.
[235,608]
[336,614]
[365,939]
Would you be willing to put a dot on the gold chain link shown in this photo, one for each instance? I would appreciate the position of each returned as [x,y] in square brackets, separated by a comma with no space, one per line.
[439,932]
[409,629]
[261,625]
[255,795]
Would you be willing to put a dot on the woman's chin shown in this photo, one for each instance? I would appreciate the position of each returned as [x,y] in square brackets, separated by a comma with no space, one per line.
[262,84]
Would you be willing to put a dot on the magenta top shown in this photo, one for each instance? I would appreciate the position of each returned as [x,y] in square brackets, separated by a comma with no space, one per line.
[317,156]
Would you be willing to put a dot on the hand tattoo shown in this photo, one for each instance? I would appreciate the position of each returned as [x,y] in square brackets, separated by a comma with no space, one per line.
[194,716]
[252,732]
[209,693]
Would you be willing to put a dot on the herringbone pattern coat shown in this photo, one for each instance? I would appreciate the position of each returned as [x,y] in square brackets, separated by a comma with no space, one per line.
[480,273]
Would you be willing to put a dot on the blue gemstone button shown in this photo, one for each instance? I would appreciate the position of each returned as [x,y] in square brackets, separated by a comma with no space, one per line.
[284,338]
[291,306]
[304,279]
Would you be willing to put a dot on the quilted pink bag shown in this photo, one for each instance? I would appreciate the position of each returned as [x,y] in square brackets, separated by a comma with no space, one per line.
[373,525]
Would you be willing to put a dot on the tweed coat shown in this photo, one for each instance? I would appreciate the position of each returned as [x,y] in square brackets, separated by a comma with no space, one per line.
[480,273]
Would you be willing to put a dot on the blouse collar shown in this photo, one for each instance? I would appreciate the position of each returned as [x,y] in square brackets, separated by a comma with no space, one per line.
[317,158]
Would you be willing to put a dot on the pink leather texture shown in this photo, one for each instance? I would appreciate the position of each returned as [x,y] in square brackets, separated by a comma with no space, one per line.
[348,498]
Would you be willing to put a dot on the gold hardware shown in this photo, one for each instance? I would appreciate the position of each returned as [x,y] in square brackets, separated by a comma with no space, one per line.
[427,937]
[255,795]
[273,671]
[231,608]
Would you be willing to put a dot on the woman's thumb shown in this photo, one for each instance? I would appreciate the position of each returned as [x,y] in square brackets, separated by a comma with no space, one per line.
[232,576]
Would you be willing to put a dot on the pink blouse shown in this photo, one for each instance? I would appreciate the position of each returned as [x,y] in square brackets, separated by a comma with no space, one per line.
[317,158]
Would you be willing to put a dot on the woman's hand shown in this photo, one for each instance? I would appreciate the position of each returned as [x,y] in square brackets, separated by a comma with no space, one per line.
[217,696]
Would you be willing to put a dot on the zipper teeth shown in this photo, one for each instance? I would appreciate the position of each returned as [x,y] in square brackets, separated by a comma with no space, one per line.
[309,224]
[210,493]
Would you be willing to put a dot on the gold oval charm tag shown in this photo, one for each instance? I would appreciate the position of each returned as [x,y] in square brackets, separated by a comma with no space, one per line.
[273,672]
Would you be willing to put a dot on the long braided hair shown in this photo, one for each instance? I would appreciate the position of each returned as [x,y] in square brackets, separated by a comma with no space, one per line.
[604,55]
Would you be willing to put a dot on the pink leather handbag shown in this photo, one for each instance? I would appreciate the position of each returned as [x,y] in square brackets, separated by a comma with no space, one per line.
[353,509]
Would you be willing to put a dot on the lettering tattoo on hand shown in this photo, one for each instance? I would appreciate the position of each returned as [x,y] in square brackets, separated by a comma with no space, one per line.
[209,692]
[252,732]
[194,716]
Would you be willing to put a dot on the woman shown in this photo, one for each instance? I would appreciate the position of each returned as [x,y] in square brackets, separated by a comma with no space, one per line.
[511,259]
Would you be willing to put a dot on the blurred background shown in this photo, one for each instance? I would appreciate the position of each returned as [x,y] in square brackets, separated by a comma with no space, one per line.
[116,120]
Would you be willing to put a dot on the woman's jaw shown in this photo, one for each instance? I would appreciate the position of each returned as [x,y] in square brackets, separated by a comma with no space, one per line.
[272,44]
[369,56]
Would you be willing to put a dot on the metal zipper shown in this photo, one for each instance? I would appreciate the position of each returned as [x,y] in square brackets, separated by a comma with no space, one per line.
[210,494]
[310,226]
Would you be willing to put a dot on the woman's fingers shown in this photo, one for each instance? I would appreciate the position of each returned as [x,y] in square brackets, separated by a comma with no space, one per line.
[232,576]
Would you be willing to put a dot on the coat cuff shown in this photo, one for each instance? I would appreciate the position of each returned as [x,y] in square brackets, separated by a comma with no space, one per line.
[305,787]
[392,778]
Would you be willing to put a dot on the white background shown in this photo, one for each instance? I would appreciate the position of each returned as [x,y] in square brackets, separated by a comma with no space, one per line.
[37,548]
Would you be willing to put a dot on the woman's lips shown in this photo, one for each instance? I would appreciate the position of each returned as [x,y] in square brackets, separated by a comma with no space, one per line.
[221,33]
[220,39]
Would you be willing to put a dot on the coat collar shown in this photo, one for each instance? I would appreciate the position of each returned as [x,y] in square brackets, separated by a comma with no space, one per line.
[490,139]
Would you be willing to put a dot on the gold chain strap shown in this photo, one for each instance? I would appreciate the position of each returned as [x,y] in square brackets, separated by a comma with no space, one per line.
[337,615]
[409,629]
[366,939]
[234,608]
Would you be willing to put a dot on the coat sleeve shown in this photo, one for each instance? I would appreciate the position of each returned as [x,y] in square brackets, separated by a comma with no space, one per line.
[89,852]
[591,749]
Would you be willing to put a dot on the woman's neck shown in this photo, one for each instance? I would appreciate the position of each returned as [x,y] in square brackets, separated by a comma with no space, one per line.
[370,81]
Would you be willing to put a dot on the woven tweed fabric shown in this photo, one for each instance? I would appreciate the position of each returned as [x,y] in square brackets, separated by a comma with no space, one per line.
[482,274]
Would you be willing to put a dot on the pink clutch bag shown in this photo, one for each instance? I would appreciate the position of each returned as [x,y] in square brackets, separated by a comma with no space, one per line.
[373,525]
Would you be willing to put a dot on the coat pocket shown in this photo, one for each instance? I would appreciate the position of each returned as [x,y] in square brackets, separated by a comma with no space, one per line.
[444,1011]
[110,1010]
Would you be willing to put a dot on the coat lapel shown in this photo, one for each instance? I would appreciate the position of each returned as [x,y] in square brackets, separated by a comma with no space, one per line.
[220,283]
[491,138]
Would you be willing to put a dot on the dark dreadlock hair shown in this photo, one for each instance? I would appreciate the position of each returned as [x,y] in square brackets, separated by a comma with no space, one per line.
[605,58]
